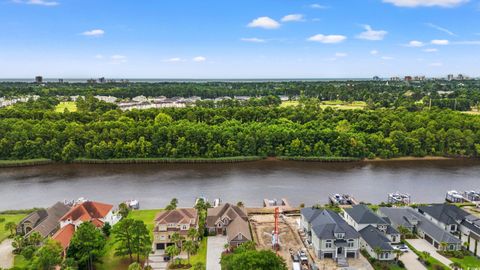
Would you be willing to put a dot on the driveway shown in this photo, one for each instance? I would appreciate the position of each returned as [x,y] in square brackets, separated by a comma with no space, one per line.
[410,259]
[423,245]
[215,247]
[6,255]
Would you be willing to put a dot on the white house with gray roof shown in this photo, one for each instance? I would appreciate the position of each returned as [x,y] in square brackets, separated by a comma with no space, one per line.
[417,223]
[376,243]
[457,221]
[330,234]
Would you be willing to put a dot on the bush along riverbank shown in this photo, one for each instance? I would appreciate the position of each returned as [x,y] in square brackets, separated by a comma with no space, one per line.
[169,160]
[24,163]
[320,159]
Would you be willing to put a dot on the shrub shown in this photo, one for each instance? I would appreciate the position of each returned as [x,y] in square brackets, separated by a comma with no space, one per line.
[2,219]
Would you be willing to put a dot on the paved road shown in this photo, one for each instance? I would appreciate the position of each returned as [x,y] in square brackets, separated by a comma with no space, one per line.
[6,255]
[215,247]
[410,259]
[423,245]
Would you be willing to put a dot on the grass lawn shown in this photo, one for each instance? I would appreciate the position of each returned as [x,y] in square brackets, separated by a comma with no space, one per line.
[70,105]
[109,260]
[19,262]
[201,256]
[15,218]
[338,104]
[290,103]
[468,262]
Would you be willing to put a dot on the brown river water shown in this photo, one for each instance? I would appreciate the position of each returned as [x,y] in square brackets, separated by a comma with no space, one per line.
[155,184]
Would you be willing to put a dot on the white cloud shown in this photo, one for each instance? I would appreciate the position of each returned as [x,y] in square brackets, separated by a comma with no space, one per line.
[117,58]
[426,3]
[436,64]
[373,52]
[264,22]
[441,29]
[37,2]
[340,54]
[328,39]
[318,6]
[199,59]
[430,50]
[415,43]
[293,18]
[254,40]
[174,60]
[387,58]
[94,33]
[440,42]
[371,34]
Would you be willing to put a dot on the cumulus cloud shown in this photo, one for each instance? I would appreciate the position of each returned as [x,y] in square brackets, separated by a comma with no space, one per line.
[94,33]
[328,39]
[426,3]
[318,6]
[265,23]
[37,2]
[415,43]
[371,34]
[293,18]
[440,42]
[253,40]
[199,59]
[373,52]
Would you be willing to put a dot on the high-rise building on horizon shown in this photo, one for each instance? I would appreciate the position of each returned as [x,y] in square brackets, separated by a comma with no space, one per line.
[38,79]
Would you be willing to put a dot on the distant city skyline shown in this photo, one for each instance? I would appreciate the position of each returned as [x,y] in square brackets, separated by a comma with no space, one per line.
[239,39]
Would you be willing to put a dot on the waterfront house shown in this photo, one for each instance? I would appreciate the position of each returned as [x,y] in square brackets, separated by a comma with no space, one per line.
[457,221]
[87,211]
[330,234]
[360,217]
[170,222]
[376,243]
[43,221]
[417,223]
[229,220]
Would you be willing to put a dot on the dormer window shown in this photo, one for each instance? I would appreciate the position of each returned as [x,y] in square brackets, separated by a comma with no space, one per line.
[340,235]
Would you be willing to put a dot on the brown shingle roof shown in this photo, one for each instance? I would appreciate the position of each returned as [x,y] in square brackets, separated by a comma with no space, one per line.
[230,210]
[50,224]
[238,226]
[181,215]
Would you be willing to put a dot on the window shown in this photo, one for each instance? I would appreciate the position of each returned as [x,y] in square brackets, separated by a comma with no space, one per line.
[328,244]
[350,243]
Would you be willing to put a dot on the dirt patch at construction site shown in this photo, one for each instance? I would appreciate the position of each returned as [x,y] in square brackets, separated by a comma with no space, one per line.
[263,226]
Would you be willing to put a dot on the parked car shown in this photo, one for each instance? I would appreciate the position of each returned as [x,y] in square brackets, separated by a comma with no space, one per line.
[295,258]
[303,257]
[402,248]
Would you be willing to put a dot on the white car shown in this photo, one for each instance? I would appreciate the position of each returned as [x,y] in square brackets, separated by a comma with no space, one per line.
[402,248]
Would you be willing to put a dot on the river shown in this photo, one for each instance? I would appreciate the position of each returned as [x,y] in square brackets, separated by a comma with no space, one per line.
[155,184]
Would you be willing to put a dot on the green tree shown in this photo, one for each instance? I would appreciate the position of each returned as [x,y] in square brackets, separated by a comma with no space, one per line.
[172,251]
[11,227]
[163,119]
[70,152]
[252,259]
[135,266]
[172,205]
[123,210]
[190,247]
[132,238]
[48,256]
[86,246]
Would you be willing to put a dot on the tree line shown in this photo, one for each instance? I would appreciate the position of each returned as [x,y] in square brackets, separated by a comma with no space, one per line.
[101,132]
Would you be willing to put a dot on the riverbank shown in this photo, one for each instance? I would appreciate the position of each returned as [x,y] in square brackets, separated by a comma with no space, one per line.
[40,162]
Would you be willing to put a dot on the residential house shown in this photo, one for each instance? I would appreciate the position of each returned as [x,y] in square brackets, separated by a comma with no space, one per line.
[376,234]
[95,212]
[173,221]
[44,221]
[457,221]
[330,234]
[417,223]
[229,220]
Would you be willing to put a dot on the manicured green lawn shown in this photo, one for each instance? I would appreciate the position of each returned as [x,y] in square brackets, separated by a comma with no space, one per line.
[70,105]
[8,218]
[201,256]
[468,262]
[109,260]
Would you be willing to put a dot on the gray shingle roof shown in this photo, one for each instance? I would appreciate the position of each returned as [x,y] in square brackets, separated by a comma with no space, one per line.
[310,213]
[327,223]
[403,216]
[375,238]
[445,213]
[363,215]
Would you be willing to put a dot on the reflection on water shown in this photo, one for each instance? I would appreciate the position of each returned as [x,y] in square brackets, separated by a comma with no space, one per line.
[155,184]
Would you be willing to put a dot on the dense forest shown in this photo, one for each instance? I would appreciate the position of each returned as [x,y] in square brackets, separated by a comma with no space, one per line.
[455,95]
[100,131]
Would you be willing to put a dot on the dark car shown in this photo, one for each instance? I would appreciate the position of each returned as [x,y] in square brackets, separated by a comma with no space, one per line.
[166,258]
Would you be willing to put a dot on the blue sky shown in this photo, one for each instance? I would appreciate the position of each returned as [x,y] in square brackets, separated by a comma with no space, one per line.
[238,38]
